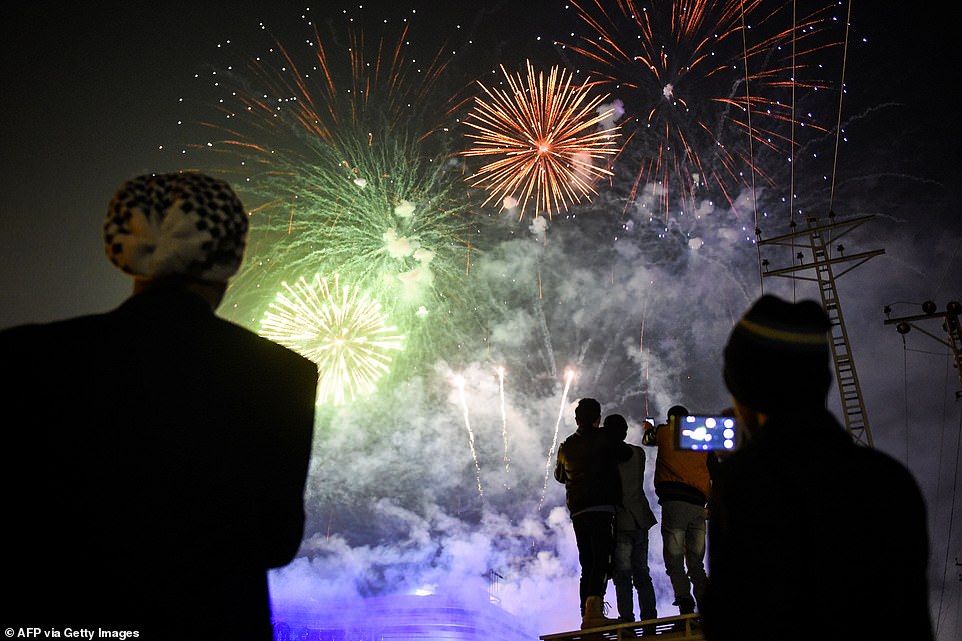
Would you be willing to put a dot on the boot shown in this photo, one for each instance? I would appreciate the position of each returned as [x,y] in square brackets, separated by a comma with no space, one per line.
[686,605]
[594,616]
[627,633]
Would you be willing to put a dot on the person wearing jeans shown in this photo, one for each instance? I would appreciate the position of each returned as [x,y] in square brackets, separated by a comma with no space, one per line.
[683,527]
[683,485]
[633,519]
[587,465]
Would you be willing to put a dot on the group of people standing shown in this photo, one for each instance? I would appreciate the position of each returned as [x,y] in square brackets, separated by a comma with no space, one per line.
[611,514]
[808,534]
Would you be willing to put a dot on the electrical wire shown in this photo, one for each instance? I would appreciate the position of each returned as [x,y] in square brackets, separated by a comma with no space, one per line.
[751,146]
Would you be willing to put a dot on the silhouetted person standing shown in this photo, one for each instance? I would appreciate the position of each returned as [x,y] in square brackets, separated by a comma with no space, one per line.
[683,485]
[811,534]
[588,466]
[632,521]
[156,464]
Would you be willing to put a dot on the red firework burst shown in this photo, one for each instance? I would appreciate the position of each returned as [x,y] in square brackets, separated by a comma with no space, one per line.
[707,84]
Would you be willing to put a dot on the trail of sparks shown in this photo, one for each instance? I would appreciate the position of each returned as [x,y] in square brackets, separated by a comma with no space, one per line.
[546,335]
[338,328]
[641,347]
[569,376]
[504,421]
[459,383]
[547,137]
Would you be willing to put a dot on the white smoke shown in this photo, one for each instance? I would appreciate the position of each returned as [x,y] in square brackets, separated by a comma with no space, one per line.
[417,491]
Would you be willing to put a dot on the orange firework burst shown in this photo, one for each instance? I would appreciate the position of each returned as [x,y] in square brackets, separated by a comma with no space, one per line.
[706,86]
[549,138]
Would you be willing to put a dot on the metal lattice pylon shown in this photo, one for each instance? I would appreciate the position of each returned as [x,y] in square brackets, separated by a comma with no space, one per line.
[822,263]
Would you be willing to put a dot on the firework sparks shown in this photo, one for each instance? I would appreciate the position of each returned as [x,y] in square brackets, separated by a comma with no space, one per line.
[547,138]
[378,212]
[335,147]
[504,421]
[569,376]
[402,234]
[338,328]
[315,92]
[459,383]
[706,85]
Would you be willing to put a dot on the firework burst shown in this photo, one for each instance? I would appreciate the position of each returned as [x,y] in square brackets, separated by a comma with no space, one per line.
[391,221]
[317,89]
[377,211]
[546,140]
[340,329]
[707,86]
[341,153]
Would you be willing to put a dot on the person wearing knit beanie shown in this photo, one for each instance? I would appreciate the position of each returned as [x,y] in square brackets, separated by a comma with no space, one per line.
[810,533]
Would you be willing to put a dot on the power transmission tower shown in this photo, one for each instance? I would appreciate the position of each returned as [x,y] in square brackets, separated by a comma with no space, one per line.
[951,325]
[823,263]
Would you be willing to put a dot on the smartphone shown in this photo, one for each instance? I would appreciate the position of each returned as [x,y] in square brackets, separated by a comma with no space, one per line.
[705,432]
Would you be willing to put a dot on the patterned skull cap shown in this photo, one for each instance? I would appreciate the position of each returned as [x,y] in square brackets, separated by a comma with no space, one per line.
[176,225]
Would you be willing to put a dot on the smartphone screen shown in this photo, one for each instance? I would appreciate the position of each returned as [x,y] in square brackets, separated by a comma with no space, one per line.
[705,432]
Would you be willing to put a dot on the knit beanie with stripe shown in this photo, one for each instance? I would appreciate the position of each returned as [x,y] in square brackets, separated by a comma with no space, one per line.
[777,356]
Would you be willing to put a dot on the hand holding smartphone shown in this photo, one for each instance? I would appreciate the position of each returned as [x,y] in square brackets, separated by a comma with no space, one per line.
[704,432]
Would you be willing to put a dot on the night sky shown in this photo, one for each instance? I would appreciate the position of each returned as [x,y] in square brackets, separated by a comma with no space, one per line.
[92,96]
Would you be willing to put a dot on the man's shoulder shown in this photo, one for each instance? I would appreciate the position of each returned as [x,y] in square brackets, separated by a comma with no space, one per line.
[34,335]
[881,466]
[272,353]
[17,336]
[577,441]
[633,458]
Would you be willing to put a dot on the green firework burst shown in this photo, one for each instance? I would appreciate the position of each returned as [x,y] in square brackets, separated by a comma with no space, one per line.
[344,160]
[389,219]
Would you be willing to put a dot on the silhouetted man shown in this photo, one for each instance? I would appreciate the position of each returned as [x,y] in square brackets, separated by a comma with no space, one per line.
[811,534]
[632,521]
[155,455]
[588,466]
[683,486]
